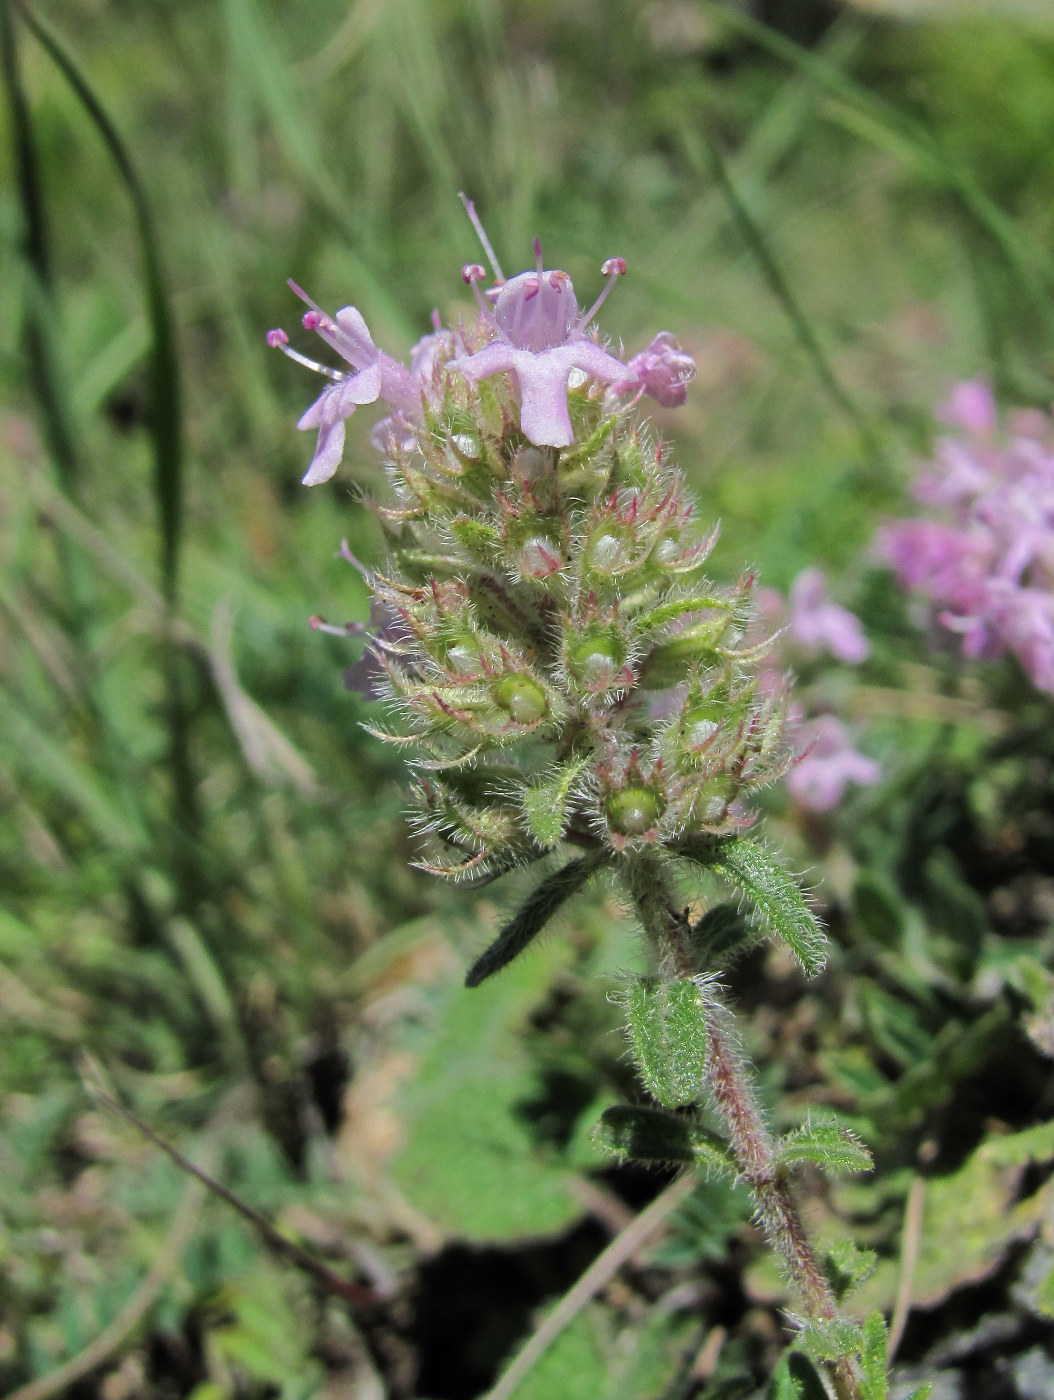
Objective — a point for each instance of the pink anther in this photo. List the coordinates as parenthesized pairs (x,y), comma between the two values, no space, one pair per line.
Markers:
(277,338)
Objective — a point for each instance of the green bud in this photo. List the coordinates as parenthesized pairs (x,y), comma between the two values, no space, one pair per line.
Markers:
(594,659)
(461,654)
(540,557)
(521,697)
(632,811)
(608,552)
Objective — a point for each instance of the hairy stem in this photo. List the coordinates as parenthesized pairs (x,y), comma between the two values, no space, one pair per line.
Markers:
(732,1094)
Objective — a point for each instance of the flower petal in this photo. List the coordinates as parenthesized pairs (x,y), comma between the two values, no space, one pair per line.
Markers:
(499,355)
(591,359)
(321,411)
(364,387)
(328,451)
(544,417)
(359,341)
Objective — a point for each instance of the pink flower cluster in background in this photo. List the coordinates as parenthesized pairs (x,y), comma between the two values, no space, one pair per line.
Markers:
(988,562)
(811,625)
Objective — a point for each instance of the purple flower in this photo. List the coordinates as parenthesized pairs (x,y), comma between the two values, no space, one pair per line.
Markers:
(427,358)
(376,376)
(970,405)
(540,338)
(816,624)
(989,563)
(829,764)
(663,371)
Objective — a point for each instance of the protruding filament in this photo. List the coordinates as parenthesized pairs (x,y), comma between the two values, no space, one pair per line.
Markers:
(481,234)
(278,340)
(613,269)
(538,256)
(299,291)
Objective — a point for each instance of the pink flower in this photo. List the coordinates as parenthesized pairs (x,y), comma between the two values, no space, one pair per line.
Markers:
(970,405)
(816,624)
(540,338)
(829,764)
(989,564)
(375,376)
(663,371)
(531,329)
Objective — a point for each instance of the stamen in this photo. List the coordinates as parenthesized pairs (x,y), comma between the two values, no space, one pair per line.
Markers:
(538,256)
(473,273)
(278,340)
(481,234)
(345,553)
(437,320)
(349,629)
(613,269)
(299,291)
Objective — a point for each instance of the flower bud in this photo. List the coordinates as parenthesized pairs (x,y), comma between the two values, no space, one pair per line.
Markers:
(522,698)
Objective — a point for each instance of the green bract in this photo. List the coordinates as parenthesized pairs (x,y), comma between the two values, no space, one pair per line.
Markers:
(549,611)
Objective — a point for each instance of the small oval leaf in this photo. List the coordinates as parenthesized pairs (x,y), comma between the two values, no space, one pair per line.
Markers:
(666,1023)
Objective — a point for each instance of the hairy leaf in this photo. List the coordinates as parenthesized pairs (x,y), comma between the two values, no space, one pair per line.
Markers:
(652,1135)
(545,804)
(756,873)
(831,1339)
(666,1023)
(832,1147)
(540,907)
(847,1267)
(874,1357)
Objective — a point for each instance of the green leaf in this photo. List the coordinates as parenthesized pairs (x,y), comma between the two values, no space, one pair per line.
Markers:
(666,1022)
(477,536)
(757,874)
(831,1339)
(539,908)
(923,1392)
(467,1159)
(721,930)
(652,1135)
(879,910)
(874,1357)
(545,804)
(1035,1144)
(847,1267)
(795,1378)
(828,1144)
(668,612)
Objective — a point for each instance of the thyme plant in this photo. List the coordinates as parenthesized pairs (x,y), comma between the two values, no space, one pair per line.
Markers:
(567,681)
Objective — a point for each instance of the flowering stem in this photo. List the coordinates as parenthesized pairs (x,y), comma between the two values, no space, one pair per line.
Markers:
(732,1095)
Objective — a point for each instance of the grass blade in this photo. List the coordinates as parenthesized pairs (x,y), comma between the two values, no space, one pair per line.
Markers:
(40,318)
(701,150)
(166,419)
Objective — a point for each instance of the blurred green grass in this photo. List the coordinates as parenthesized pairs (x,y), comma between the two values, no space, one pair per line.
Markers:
(898,180)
